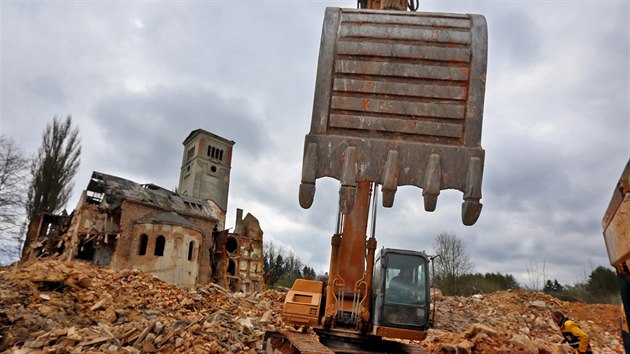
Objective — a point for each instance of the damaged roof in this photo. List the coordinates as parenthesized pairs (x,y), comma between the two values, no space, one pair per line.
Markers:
(116,189)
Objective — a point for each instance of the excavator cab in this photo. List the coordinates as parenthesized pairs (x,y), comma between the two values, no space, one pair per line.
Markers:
(400,292)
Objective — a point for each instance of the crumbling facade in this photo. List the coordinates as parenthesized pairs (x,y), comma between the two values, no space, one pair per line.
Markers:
(238,255)
(122,224)
(180,238)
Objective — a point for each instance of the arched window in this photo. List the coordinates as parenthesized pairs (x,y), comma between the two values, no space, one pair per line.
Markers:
(144,240)
(191,248)
(221,155)
(231,268)
(159,246)
(231,245)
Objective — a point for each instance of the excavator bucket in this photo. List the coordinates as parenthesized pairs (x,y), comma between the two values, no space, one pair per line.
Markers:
(399,101)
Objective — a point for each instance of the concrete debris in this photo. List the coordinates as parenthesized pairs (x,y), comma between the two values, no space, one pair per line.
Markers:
(48,306)
(517,322)
(45,307)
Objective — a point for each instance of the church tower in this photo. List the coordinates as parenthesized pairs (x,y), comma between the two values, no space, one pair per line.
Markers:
(206,164)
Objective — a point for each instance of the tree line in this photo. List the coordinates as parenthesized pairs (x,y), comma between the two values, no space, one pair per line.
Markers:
(35,184)
(600,287)
(282,267)
(454,276)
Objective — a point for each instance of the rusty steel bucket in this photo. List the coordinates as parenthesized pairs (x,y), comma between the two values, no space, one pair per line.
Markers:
(399,101)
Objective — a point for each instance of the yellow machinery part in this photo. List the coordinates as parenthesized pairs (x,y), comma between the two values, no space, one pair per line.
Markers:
(303,301)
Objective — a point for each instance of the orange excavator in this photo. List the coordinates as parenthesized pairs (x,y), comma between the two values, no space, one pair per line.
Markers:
(399,99)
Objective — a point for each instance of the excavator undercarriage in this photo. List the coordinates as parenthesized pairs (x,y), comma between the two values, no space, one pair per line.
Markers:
(291,342)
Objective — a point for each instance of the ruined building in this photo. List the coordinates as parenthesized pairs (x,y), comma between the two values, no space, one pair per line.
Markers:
(178,237)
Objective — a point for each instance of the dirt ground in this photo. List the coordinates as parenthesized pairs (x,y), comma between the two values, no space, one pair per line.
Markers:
(71,307)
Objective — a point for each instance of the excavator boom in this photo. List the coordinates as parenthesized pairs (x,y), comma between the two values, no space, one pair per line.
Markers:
(399,99)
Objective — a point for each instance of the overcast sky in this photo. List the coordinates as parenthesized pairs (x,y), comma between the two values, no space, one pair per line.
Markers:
(138,77)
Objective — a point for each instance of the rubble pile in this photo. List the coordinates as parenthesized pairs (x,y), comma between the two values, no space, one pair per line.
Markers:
(517,322)
(70,307)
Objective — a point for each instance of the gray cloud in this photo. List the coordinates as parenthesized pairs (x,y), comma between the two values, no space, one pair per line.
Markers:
(147,128)
(516,35)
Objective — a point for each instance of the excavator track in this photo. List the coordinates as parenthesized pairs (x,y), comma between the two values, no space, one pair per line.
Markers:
(289,342)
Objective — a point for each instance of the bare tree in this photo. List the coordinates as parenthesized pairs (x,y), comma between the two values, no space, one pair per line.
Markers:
(452,262)
(536,276)
(273,263)
(282,266)
(13,171)
(52,171)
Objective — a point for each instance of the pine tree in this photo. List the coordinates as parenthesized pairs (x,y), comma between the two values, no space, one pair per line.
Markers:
(52,171)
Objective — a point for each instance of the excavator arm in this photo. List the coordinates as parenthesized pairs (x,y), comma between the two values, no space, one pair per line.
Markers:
(399,100)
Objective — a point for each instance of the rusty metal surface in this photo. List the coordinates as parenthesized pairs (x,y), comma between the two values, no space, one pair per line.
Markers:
(399,101)
(616,223)
(352,264)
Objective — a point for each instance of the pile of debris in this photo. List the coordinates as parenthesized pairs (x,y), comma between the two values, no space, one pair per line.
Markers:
(518,321)
(53,307)
(73,307)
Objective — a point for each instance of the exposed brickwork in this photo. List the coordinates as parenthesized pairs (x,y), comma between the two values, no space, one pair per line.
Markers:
(123,234)
(180,238)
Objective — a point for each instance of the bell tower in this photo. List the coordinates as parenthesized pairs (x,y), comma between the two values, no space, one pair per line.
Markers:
(206,165)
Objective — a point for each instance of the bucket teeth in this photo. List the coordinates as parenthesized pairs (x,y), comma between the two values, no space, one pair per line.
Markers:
(432,180)
(390,178)
(307,193)
(470,212)
(307,187)
(348,189)
(471,208)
